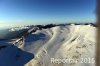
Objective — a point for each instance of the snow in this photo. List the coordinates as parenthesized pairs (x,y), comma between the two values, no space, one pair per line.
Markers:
(18,28)
(59,42)
(10,55)
(71,42)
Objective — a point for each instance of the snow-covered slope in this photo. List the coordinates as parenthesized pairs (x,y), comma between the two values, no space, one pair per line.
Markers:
(62,42)
(10,55)
(70,42)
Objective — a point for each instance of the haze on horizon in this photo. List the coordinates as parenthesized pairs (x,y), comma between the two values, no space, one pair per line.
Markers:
(24,12)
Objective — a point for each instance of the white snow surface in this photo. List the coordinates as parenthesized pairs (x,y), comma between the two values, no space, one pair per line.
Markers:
(18,28)
(59,42)
(11,55)
(62,42)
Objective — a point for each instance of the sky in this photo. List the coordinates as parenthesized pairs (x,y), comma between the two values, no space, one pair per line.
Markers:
(21,12)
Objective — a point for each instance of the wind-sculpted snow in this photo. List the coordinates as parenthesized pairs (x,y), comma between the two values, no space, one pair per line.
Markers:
(75,42)
(11,55)
(51,47)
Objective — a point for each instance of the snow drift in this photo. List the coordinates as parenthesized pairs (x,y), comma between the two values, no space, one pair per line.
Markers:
(59,42)
(11,55)
(62,42)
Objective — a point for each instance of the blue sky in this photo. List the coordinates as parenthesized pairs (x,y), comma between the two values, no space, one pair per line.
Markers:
(21,12)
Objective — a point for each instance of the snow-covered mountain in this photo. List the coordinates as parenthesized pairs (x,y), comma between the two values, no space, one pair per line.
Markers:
(11,55)
(75,42)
